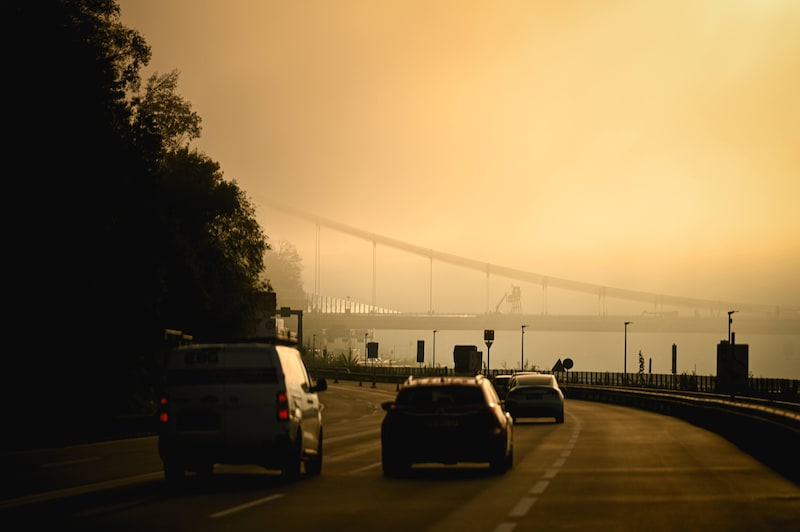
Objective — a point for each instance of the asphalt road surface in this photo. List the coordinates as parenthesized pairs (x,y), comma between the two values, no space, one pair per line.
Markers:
(606,468)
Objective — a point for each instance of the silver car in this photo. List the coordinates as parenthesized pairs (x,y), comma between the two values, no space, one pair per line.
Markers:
(535,395)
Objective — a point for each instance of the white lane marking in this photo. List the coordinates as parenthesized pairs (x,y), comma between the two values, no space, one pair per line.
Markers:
(79,490)
(70,462)
(343,456)
(550,473)
(539,487)
(360,469)
(241,507)
(522,507)
(351,435)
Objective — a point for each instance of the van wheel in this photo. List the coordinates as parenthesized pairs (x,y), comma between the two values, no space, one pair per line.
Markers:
(499,464)
(394,465)
(174,473)
(293,462)
(205,470)
(314,463)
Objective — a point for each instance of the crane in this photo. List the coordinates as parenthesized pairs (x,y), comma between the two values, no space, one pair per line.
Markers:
(497,308)
(515,298)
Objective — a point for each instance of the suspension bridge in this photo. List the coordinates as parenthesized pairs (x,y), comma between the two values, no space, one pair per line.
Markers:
(669,312)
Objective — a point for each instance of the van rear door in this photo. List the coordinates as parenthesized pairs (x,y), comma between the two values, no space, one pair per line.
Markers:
(252,384)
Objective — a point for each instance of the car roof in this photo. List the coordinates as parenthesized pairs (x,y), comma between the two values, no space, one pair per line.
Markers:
(448,380)
(535,379)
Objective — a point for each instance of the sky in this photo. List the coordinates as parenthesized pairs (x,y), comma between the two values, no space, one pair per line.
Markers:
(645,145)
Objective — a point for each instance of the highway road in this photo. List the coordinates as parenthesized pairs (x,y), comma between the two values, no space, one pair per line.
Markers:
(606,468)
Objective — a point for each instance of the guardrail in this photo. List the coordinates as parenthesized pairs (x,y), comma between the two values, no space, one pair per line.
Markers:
(787,390)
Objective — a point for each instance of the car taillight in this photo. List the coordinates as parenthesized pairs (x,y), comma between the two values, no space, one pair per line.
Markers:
(282,404)
(163,414)
(496,426)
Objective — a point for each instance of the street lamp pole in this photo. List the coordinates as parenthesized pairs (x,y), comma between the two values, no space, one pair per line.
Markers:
(433,361)
(488,337)
(625,360)
(730,320)
(522,350)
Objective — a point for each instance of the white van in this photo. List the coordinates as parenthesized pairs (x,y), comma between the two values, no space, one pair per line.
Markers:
(239,403)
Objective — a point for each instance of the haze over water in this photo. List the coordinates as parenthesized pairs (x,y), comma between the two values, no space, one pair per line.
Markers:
(770,355)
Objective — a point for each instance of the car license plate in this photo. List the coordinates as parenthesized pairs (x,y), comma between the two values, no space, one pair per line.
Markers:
(443,422)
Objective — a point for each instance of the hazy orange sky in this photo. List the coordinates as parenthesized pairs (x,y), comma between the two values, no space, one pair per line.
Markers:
(647,145)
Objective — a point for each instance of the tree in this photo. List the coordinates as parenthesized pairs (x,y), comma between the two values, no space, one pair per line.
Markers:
(213,247)
(284,269)
(211,279)
(84,196)
(349,360)
(163,112)
(122,230)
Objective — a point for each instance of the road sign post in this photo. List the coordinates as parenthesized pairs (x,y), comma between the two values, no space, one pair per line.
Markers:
(488,337)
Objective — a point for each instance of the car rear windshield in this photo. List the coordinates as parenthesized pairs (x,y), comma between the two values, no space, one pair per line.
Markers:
(535,380)
(437,395)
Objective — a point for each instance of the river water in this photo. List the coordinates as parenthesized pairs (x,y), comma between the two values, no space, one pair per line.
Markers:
(769,355)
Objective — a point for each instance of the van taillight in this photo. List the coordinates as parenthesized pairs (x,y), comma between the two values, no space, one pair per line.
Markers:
(163,415)
(282,406)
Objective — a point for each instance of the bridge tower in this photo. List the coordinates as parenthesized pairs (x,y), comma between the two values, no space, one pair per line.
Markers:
(515,298)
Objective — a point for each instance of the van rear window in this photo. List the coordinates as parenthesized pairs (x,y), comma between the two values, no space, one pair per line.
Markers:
(208,376)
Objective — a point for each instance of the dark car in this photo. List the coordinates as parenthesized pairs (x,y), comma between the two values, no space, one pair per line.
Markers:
(446,420)
(535,395)
(501,384)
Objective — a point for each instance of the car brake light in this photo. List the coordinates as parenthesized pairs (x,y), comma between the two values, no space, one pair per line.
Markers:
(163,415)
(494,423)
(282,406)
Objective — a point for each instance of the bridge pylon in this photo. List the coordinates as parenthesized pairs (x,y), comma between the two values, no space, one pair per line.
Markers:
(515,298)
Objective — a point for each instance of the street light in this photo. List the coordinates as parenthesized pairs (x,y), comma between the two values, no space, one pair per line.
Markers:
(625,361)
(730,320)
(522,355)
(433,361)
(366,354)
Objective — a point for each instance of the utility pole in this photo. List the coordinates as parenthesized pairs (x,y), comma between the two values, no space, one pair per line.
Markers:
(433,361)
(522,353)
(488,337)
(730,320)
(625,360)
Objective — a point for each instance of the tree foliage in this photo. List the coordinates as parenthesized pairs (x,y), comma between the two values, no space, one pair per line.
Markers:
(218,249)
(121,230)
(284,266)
(163,112)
